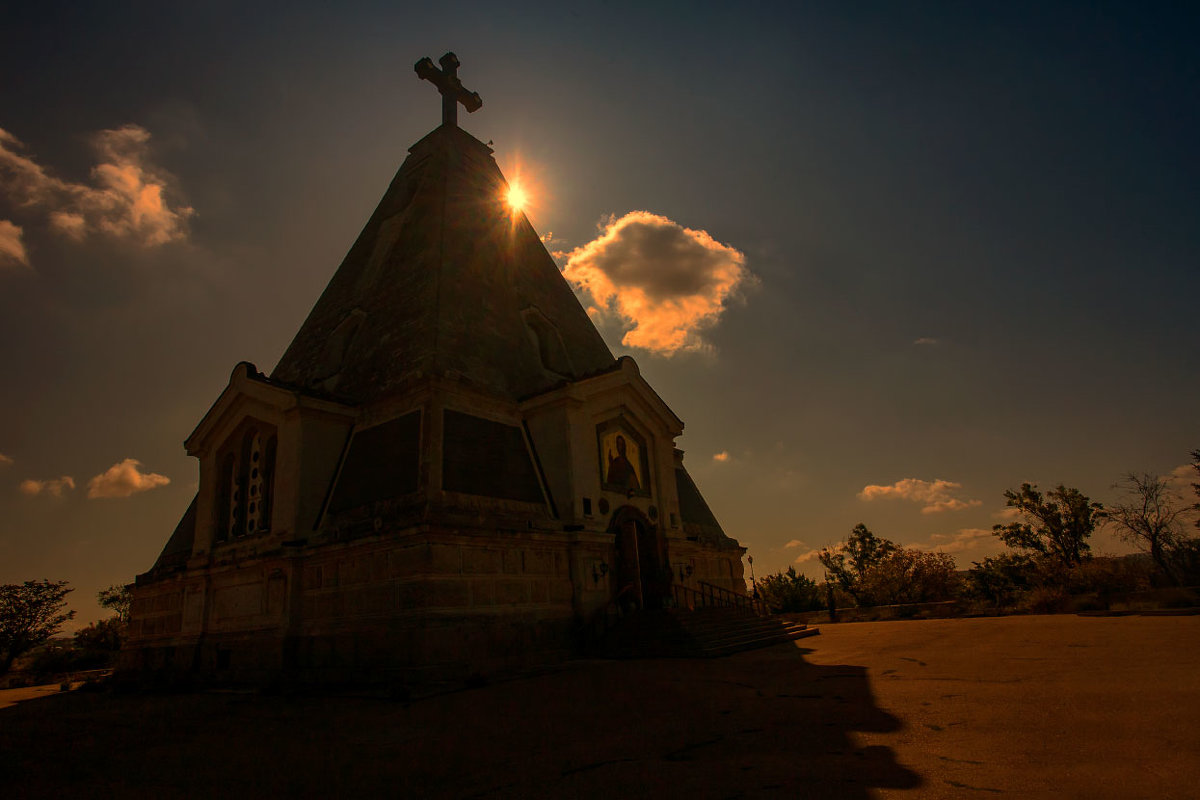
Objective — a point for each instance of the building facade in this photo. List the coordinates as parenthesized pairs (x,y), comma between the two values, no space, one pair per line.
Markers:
(447,473)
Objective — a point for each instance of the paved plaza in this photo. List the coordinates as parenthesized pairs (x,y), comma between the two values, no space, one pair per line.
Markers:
(1045,706)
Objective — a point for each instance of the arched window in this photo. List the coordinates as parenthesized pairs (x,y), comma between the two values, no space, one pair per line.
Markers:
(247,482)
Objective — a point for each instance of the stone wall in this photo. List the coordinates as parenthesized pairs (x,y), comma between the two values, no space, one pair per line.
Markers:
(426,601)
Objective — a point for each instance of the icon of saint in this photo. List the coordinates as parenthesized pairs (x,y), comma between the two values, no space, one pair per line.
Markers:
(620,469)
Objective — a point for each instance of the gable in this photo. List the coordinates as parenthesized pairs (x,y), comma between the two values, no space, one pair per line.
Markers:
(251,394)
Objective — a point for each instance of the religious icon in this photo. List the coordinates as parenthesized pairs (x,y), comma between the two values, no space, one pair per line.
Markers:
(622,461)
(620,469)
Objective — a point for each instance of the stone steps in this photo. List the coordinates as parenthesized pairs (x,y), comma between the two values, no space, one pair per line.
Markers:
(707,633)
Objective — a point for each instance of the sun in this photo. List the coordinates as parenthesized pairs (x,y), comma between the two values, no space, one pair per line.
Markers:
(517,197)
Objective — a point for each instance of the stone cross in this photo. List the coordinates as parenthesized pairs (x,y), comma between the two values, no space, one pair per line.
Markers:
(451,88)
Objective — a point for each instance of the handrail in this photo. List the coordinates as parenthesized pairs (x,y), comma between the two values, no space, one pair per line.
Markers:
(712,596)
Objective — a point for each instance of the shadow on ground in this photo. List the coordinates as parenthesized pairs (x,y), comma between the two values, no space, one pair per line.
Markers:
(766,723)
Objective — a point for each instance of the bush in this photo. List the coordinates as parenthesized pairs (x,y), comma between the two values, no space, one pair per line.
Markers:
(1177,598)
(1108,577)
(1001,580)
(57,659)
(1187,562)
(1047,600)
(104,635)
(908,575)
(789,591)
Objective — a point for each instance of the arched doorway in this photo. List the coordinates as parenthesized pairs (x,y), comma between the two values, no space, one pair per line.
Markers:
(643,572)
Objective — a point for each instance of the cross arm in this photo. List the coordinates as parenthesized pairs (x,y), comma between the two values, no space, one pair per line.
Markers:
(449,86)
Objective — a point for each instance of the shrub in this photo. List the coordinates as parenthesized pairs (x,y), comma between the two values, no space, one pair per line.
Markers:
(1108,577)
(908,575)
(790,592)
(1047,600)
(1001,580)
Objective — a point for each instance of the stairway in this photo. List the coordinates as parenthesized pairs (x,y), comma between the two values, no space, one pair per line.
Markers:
(703,633)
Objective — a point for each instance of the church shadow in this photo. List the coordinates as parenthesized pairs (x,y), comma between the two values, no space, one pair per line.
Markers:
(814,717)
(770,722)
(766,723)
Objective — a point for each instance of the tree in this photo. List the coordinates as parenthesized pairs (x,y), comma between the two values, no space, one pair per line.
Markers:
(908,575)
(103,636)
(846,565)
(1149,517)
(117,598)
(30,613)
(790,591)
(1196,486)
(1055,525)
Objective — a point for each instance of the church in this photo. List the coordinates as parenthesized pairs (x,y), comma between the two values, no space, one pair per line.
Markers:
(447,473)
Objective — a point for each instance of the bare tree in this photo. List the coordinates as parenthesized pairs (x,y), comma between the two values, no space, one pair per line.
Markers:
(1150,516)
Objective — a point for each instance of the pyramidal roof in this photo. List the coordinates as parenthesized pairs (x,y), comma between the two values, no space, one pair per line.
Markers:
(444,280)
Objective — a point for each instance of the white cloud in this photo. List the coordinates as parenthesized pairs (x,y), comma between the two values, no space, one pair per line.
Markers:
(964,539)
(722,456)
(52,486)
(12,249)
(668,281)
(1180,480)
(934,496)
(811,555)
(127,197)
(124,479)
(949,504)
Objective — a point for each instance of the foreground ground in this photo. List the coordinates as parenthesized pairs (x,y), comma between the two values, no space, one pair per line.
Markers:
(1022,706)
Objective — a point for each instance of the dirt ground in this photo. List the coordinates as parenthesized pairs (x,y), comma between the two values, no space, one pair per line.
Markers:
(1059,706)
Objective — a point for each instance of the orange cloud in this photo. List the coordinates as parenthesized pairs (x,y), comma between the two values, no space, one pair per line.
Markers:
(935,496)
(124,479)
(722,456)
(5,460)
(668,281)
(812,555)
(1180,481)
(965,539)
(12,249)
(793,543)
(52,486)
(127,197)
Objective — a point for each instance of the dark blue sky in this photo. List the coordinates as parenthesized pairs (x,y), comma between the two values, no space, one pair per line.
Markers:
(1016,183)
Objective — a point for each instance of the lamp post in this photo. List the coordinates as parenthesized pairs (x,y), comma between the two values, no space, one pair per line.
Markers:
(753,585)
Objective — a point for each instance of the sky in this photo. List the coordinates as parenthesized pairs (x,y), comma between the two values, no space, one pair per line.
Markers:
(884,260)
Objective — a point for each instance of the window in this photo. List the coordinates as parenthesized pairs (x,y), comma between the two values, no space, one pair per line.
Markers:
(247,482)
